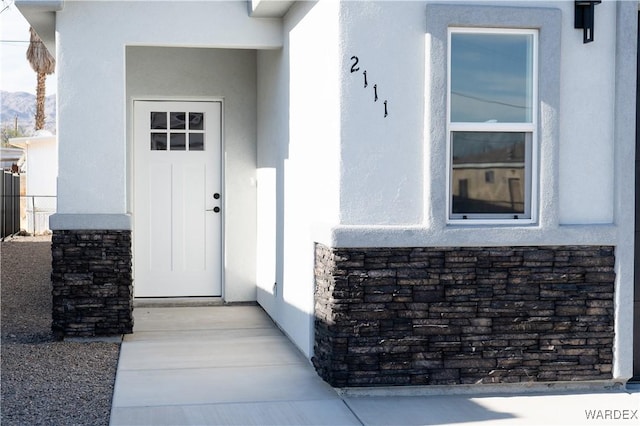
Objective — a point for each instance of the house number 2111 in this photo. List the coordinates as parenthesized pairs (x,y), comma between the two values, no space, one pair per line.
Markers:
(355,68)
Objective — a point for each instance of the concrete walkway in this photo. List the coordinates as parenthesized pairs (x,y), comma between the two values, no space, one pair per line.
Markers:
(230,365)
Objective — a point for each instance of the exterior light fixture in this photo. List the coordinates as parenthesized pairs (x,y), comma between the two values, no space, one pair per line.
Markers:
(585,12)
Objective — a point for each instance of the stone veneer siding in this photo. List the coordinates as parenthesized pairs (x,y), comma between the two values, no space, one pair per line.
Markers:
(445,316)
(92,283)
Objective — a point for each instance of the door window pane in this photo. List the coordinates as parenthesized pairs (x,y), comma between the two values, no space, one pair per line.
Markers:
(491,77)
(178,141)
(488,173)
(196,120)
(158,141)
(178,121)
(196,142)
(159,120)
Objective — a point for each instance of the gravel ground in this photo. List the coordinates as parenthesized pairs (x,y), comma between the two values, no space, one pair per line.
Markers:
(44,381)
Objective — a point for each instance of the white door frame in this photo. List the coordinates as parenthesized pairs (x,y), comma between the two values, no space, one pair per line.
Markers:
(222,171)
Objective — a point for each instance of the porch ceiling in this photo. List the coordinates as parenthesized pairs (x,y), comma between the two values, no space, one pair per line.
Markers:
(269,8)
(41,15)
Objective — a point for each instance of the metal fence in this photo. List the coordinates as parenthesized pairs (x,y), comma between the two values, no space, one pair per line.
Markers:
(10,220)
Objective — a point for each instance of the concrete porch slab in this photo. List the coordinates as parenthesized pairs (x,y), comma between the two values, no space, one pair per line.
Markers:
(230,365)
(187,386)
(324,412)
(210,350)
(218,365)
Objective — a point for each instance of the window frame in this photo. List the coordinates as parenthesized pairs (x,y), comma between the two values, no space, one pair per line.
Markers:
(530,215)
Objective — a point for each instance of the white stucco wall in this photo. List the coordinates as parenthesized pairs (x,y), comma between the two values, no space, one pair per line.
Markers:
(298,162)
(587,120)
(382,178)
(230,74)
(393,191)
(382,171)
(91,38)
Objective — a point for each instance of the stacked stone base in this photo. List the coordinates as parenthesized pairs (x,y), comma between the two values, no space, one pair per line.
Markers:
(92,283)
(446,316)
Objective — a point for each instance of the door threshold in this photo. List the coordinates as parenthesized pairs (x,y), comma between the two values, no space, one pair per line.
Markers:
(176,302)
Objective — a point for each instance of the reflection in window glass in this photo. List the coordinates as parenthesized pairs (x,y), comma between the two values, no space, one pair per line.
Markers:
(178,142)
(177,120)
(491,77)
(195,120)
(158,120)
(488,174)
(196,142)
(158,141)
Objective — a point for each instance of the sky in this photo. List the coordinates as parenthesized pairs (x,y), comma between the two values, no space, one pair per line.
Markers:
(16,74)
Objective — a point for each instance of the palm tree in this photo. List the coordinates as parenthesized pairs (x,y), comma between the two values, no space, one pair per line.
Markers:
(43,64)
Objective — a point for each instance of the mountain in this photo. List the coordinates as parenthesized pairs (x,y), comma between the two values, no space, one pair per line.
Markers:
(23,106)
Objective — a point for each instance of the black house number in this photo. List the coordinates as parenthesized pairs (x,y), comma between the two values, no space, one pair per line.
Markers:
(355,68)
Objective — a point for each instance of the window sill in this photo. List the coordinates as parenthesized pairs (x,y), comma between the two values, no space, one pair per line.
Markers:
(491,222)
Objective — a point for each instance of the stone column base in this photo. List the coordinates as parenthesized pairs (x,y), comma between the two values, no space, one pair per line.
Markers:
(92,283)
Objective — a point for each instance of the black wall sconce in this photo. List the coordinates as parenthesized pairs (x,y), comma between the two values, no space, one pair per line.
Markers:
(585,12)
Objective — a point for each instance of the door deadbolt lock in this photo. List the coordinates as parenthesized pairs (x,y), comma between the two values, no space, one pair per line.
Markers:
(216,196)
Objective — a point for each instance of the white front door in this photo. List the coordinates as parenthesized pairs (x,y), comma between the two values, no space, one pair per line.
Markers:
(177,199)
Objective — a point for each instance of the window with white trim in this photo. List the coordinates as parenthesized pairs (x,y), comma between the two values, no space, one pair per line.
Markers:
(492,125)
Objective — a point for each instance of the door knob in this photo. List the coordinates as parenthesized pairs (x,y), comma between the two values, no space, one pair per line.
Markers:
(215,210)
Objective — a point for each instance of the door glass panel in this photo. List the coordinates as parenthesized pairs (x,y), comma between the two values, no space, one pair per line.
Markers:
(177,120)
(178,142)
(158,141)
(195,120)
(192,131)
(158,120)
(196,142)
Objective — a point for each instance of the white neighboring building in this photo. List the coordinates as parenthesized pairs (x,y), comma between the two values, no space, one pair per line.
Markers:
(418,193)
(40,170)
(10,157)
